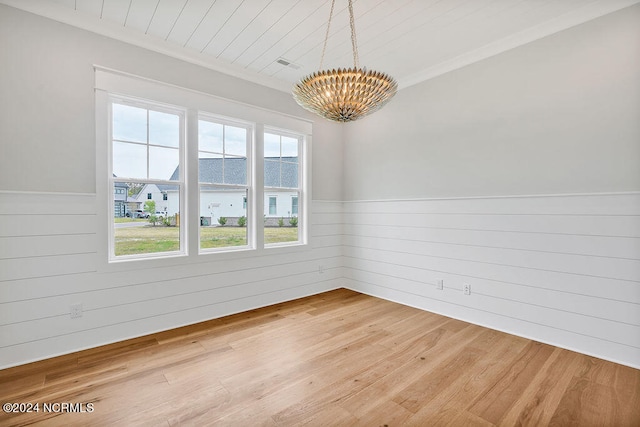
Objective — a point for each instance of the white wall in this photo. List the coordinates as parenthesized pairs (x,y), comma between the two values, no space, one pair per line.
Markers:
(48,208)
(559,115)
(556,117)
(47,103)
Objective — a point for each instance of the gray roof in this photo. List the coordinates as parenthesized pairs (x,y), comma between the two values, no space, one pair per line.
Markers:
(278,171)
(164,187)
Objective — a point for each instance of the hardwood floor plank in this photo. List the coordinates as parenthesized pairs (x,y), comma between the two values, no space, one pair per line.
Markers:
(438,379)
(542,396)
(403,368)
(338,358)
(449,402)
(586,403)
(385,413)
(517,375)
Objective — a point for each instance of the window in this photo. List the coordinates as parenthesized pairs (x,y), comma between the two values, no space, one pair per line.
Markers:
(282,174)
(146,148)
(273,205)
(155,139)
(223,174)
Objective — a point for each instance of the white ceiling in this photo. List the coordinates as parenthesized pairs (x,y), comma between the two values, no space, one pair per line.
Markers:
(412,40)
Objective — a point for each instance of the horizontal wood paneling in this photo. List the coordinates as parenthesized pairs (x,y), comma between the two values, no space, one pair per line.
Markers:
(560,269)
(419,279)
(102,314)
(39,246)
(587,225)
(15,269)
(47,225)
(605,246)
(556,269)
(615,268)
(49,261)
(195,286)
(571,204)
(15,203)
(621,290)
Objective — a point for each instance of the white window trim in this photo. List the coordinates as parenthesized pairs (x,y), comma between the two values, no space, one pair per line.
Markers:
(114,82)
(249,186)
(181,112)
(303,189)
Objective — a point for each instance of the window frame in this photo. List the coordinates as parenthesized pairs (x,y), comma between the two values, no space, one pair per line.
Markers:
(248,187)
(302,189)
(273,205)
(110,82)
(149,105)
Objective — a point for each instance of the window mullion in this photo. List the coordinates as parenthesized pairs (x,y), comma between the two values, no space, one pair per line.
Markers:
(148,149)
(192,202)
(258,187)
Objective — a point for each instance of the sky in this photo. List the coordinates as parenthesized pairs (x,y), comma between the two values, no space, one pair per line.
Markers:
(131,140)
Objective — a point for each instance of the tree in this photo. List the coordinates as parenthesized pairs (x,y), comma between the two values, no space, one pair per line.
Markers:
(150,206)
(134,188)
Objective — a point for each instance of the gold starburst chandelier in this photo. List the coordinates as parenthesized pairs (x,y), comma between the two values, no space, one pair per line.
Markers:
(344,95)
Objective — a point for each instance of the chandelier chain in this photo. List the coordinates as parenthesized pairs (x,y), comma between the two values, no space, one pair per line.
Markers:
(354,43)
(326,36)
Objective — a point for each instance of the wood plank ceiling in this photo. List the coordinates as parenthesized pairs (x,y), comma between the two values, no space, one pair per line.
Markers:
(411,40)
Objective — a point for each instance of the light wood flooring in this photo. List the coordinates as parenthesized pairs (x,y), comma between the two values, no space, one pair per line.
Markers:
(334,359)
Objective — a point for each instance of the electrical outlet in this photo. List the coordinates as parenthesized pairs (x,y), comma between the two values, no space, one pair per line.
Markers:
(321,269)
(466,288)
(75,311)
(439,284)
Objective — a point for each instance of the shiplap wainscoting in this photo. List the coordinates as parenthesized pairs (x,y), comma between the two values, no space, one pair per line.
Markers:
(564,270)
(48,262)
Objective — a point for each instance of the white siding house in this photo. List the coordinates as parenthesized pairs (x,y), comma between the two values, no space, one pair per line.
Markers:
(154,193)
(233,204)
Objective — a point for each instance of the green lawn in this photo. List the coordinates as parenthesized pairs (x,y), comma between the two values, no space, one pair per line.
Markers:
(149,239)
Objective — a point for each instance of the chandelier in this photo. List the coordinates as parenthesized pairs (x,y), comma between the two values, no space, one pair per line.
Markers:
(344,95)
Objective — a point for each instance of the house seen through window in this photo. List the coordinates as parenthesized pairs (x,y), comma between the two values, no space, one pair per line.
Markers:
(223,174)
(148,149)
(282,177)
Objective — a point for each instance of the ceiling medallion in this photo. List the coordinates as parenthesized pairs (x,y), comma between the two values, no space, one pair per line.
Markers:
(344,95)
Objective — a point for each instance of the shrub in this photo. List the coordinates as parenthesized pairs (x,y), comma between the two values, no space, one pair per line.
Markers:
(280,222)
(222,220)
(293,221)
(153,219)
(242,221)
